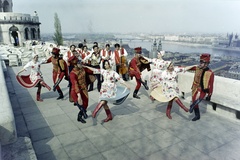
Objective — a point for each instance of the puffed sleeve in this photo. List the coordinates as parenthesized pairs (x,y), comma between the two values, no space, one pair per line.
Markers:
(27,66)
(98,71)
(179,69)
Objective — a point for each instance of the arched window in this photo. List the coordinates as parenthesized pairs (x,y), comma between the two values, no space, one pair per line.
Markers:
(13,30)
(33,33)
(5,6)
(26,32)
(39,34)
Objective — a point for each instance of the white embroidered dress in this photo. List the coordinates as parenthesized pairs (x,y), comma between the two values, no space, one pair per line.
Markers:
(158,67)
(169,83)
(35,73)
(110,91)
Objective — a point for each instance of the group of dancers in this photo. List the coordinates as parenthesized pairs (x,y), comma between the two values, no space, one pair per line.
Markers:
(82,68)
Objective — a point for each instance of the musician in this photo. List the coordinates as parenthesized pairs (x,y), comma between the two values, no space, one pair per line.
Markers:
(136,66)
(95,59)
(79,49)
(85,53)
(106,54)
(69,54)
(120,56)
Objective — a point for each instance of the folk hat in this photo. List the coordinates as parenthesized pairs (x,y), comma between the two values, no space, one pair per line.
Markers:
(138,50)
(205,57)
(73,60)
(55,51)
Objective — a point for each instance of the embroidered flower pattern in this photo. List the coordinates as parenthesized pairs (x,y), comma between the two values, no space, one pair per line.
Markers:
(109,87)
(169,83)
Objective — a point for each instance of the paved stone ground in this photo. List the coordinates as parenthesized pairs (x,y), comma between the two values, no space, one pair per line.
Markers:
(139,130)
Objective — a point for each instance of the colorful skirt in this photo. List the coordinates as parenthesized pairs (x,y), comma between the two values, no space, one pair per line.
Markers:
(158,94)
(121,95)
(25,81)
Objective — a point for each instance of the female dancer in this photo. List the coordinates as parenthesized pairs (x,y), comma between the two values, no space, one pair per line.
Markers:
(168,90)
(110,91)
(35,78)
(158,66)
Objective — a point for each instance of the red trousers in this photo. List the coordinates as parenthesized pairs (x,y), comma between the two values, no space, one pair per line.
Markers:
(198,94)
(84,97)
(55,78)
(137,76)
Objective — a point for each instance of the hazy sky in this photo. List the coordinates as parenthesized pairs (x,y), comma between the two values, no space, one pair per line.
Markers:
(145,16)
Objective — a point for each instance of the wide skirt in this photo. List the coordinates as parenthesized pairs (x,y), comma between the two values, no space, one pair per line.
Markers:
(25,81)
(158,94)
(121,95)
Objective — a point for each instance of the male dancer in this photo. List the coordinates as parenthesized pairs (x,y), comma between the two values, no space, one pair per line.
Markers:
(59,70)
(202,84)
(79,92)
(135,69)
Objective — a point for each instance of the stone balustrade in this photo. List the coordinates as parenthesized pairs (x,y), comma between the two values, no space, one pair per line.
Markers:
(225,98)
(8,132)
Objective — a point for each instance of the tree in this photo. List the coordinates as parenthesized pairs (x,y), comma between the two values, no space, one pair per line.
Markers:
(57,38)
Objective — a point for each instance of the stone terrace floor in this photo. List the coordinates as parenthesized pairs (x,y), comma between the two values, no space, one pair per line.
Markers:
(139,130)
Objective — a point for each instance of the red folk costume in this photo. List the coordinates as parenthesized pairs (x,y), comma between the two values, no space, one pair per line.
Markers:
(202,85)
(117,56)
(135,71)
(106,53)
(79,87)
(60,70)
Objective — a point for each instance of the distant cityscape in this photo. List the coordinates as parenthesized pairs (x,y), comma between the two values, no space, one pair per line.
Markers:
(225,66)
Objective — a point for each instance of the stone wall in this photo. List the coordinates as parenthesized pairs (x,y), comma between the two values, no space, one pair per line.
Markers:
(8,131)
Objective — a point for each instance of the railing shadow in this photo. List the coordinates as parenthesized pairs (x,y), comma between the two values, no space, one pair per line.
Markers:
(28,118)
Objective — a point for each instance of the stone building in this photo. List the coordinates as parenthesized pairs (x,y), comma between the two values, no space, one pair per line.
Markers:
(16,28)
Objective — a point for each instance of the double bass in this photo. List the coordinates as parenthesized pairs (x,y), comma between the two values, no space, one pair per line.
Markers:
(123,69)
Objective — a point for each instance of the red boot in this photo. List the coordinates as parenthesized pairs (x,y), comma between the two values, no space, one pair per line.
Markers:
(45,85)
(168,111)
(109,115)
(98,107)
(181,105)
(38,97)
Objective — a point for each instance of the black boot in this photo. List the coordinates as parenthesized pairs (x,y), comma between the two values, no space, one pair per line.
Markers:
(99,87)
(197,114)
(196,102)
(83,111)
(144,84)
(79,118)
(91,87)
(60,94)
(135,94)
(124,77)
